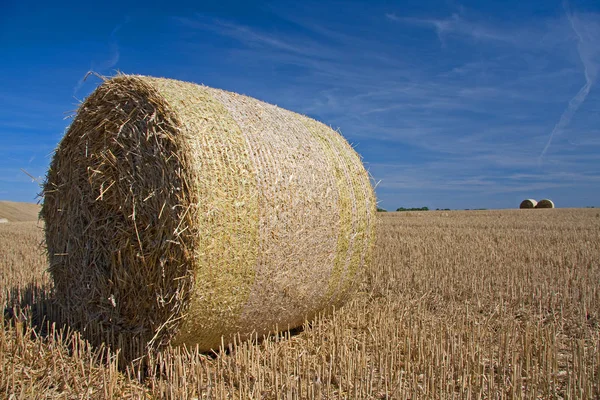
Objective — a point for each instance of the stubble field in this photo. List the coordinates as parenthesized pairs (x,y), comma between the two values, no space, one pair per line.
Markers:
(457,304)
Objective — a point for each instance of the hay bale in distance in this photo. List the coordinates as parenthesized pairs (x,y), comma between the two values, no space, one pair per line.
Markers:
(177,213)
(545,203)
(528,203)
(3,221)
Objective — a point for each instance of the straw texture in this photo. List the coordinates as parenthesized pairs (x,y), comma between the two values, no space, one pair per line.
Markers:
(177,213)
(545,204)
(528,203)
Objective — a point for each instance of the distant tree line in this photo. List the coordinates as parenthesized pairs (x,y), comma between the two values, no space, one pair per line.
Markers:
(427,209)
(413,209)
(409,209)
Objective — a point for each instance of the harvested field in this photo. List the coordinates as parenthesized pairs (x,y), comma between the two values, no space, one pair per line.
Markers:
(463,304)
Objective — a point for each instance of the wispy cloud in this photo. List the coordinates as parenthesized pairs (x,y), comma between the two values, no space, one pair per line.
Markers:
(484,111)
(299,46)
(506,88)
(457,24)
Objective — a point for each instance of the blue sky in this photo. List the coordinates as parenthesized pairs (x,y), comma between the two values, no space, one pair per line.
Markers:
(452,104)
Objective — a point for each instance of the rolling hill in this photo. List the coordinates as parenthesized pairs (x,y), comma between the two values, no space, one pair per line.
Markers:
(11,211)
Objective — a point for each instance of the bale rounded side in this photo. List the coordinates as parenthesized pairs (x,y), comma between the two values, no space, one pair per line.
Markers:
(178,213)
(545,203)
(528,203)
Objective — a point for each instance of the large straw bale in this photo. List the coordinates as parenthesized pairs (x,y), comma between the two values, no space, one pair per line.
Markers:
(528,203)
(178,213)
(545,204)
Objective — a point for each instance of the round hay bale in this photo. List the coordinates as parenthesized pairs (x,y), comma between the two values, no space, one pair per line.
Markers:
(178,213)
(528,203)
(545,204)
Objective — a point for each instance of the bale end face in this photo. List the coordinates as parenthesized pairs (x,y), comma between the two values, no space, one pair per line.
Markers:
(545,204)
(528,203)
(116,207)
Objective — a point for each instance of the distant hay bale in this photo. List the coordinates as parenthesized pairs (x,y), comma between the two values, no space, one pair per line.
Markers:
(3,221)
(528,203)
(177,213)
(545,204)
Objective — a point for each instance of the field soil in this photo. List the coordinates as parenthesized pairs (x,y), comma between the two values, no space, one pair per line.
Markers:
(455,305)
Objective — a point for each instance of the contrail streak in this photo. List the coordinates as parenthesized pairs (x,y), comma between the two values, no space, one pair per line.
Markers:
(579,98)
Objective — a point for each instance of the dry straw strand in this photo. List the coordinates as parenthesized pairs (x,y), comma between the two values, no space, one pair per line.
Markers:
(545,203)
(528,203)
(178,213)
